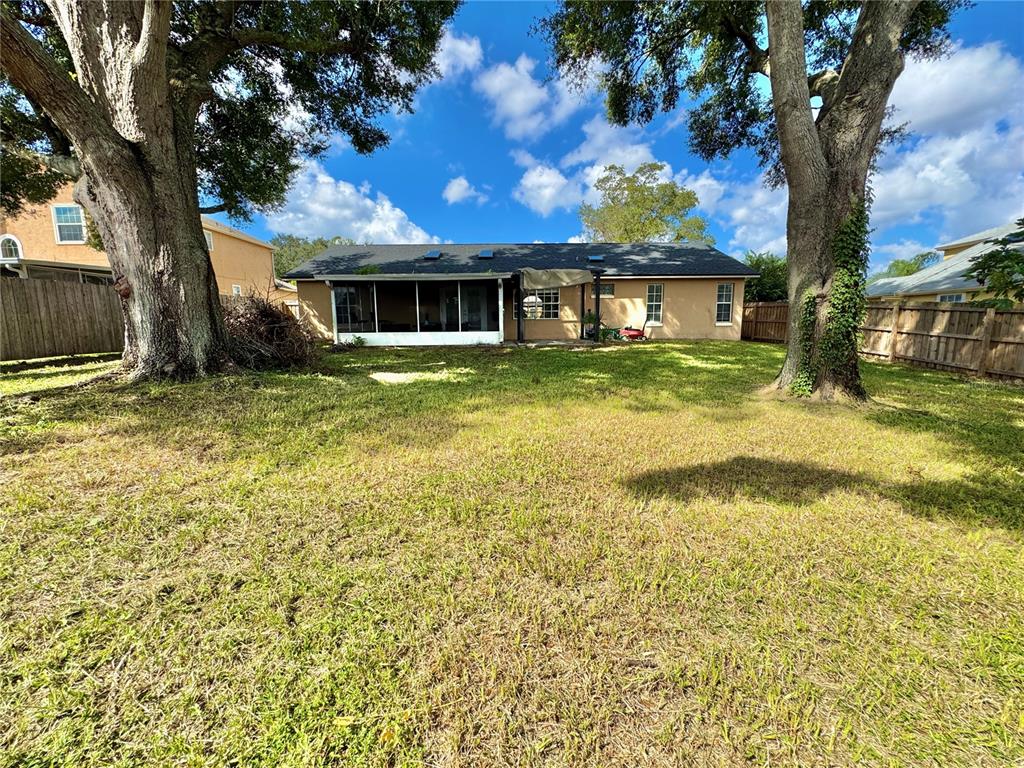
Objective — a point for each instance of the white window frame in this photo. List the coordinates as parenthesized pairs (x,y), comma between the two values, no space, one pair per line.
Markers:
(719,302)
(56,225)
(17,244)
(654,306)
(607,290)
(208,236)
(547,305)
(236,290)
(950,298)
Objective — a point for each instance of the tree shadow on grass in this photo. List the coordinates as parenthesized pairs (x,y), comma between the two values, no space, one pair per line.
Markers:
(975,499)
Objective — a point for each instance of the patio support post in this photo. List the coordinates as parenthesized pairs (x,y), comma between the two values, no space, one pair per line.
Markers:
(376,319)
(521,321)
(501,311)
(417,284)
(597,306)
(583,311)
(458,292)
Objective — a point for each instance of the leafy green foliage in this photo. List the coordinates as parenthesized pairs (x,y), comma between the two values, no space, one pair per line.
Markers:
(260,85)
(831,351)
(904,267)
(656,56)
(25,182)
(642,207)
(1001,270)
(292,250)
(773,274)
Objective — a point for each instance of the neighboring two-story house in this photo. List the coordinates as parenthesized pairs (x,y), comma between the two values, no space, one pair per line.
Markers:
(49,242)
(944,281)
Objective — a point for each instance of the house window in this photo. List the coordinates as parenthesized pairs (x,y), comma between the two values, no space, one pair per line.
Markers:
(723,306)
(539,305)
(10,248)
(655,300)
(236,290)
(607,290)
(69,224)
(955,298)
(209,240)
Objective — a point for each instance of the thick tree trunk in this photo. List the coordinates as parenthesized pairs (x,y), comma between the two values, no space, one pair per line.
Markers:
(156,247)
(134,138)
(827,161)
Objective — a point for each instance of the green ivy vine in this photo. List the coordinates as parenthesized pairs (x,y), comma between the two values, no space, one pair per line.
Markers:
(836,351)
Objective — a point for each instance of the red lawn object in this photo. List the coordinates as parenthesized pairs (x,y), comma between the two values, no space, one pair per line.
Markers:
(633,334)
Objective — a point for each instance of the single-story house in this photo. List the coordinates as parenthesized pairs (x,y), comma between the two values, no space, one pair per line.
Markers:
(489,293)
(48,242)
(944,281)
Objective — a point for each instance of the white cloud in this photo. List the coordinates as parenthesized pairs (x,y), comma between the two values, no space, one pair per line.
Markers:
(901,249)
(757,216)
(971,87)
(543,189)
(459,189)
(319,205)
(523,106)
(523,158)
(580,238)
(457,54)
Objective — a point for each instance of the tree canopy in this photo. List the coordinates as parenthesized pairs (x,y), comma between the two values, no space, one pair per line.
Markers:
(770,284)
(1001,270)
(263,83)
(640,207)
(292,250)
(657,56)
(904,267)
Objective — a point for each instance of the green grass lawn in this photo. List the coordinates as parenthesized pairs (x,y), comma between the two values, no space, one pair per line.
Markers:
(473,557)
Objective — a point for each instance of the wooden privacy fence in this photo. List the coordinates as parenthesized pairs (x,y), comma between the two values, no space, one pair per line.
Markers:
(50,318)
(946,336)
(765,321)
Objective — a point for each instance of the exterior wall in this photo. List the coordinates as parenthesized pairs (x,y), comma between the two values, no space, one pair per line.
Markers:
(315,307)
(950,252)
(968,296)
(688,310)
(246,262)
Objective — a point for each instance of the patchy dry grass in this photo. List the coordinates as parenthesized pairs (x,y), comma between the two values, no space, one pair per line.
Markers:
(514,557)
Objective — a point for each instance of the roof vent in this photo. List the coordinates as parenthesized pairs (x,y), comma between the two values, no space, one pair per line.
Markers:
(432,255)
(595,257)
(487,254)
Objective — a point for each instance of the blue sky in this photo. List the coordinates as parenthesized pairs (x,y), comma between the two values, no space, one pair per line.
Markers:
(500,151)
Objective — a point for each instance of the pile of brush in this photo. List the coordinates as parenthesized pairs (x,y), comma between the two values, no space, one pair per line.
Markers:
(263,335)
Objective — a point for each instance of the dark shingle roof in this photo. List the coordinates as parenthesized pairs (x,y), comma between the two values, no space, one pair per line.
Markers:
(690,259)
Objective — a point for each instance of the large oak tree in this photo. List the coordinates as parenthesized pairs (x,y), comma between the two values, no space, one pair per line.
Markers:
(160,111)
(829,67)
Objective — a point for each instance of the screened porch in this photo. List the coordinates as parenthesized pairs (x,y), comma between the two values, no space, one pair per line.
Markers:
(399,312)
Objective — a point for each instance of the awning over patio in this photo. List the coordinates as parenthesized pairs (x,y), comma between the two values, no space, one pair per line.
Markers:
(538,279)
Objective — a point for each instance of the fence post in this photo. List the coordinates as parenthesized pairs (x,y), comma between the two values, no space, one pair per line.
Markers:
(986,340)
(895,330)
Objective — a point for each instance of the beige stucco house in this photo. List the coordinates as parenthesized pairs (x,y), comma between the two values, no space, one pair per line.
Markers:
(470,293)
(945,281)
(48,242)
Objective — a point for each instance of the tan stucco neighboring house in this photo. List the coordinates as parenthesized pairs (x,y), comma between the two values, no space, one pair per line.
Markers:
(945,281)
(48,242)
(413,294)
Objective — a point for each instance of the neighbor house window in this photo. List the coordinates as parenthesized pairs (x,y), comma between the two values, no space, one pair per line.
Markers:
(236,290)
(607,290)
(209,240)
(10,249)
(955,298)
(655,300)
(69,224)
(539,305)
(723,306)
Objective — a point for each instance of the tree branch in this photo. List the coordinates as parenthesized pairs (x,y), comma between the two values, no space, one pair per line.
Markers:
(802,155)
(36,74)
(66,164)
(218,208)
(757,57)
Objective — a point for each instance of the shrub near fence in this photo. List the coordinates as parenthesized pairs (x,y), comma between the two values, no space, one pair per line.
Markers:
(51,318)
(947,336)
